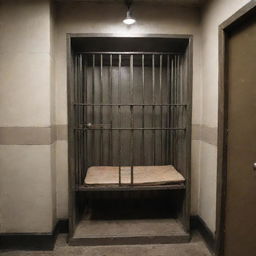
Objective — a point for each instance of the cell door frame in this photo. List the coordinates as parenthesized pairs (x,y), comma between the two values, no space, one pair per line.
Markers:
(70,82)
(225,28)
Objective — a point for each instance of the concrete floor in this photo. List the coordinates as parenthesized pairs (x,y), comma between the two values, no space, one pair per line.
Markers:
(196,247)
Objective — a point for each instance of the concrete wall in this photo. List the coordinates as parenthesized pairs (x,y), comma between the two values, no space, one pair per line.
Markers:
(214,14)
(27,184)
(152,18)
(33,99)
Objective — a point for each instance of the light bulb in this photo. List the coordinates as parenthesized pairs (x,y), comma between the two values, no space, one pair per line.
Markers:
(129,20)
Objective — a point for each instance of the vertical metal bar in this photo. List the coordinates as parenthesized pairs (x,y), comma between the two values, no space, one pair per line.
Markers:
(161,108)
(175,112)
(143,110)
(85,113)
(79,133)
(177,133)
(181,114)
(119,118)
(93,108)
(172,111)
(101,114)
(173,101)
(182,91)
(111,110)
(75,123)
(82,116)
(81,109)
(181,85)
(78,120)
(132,117)
(153,109)
(168,85)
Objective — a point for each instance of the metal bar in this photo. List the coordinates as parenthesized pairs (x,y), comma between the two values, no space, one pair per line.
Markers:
(86,114)
(161,108)
(81,113)
(93,109)
(119,119)
(169,114)
(181,87)
(111,112)
(101,114)
(167,140)
(143,109)
(129,53)
(79,119)
(174,149)
(172,111)
(153,109)
(177,114)
(121,128)
(75,123)
(131,188)
(131,104)
(132,117)
(182,112)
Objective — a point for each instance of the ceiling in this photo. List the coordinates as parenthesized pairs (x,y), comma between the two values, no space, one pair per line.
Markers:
(182,2)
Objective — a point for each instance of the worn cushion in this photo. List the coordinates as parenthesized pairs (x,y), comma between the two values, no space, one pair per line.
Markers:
(143,175)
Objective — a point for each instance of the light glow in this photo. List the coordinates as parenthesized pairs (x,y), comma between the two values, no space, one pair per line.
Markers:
(129,20)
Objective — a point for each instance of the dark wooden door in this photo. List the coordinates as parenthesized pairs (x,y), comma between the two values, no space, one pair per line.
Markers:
(240,221)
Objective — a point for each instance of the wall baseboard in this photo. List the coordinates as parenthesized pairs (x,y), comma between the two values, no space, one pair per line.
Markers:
(62,226)
(39,241)
(33,241)
(25,241)
(197,223)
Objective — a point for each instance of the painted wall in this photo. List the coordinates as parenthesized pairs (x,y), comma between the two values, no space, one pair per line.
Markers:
(107,18)
(33,99)
(213,15)
(27,183)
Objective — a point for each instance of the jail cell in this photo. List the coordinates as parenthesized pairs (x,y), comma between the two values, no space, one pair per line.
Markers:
(129,103)
(130,110)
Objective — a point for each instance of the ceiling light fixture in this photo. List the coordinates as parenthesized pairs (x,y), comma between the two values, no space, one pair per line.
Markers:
(129,20)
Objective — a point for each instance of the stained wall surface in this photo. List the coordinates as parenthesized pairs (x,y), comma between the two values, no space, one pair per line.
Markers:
(214,13)
(27,152)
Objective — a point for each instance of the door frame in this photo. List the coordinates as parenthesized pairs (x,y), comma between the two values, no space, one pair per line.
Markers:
(226,27)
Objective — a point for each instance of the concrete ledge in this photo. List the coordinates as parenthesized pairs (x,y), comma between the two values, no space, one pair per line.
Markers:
(35,241)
